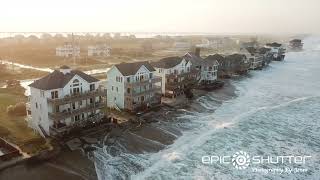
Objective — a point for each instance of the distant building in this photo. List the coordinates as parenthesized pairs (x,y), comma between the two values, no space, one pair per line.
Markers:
(68,50)
(212,42)
(64,99)
(277,50)
(100,50)
(133,87)
(296,44)
(176,74)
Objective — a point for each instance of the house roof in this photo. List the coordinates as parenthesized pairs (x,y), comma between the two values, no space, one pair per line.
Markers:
(274,44)
(167,62)
(214,58)
(263,50)
(235,57)
(195,60)
(57,79)
(64,67)
(251,50)
(128,69)
(296,41)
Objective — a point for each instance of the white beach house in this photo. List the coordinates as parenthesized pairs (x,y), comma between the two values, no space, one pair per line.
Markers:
(68,50)
(63,99)
(100,50)
(133,86)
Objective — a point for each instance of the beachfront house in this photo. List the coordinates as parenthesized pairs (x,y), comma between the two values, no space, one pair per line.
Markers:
(296,44)
(238,63)
(253,55)
(99,50)
(133,87)
(65,99)
(266,55)
(177,75)
(208,68)
(68,50)
(212,42)
(225,68)
(277,50)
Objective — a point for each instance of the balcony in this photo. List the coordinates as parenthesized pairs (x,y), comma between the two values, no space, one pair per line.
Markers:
(155,79)
(134,93)
(185,74)
(77,97)
(60,127)
(68,114)
(147,103)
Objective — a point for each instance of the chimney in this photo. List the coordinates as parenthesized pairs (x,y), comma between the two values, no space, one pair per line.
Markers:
(197,52)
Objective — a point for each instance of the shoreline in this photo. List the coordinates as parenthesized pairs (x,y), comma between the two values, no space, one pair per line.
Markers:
(150,137)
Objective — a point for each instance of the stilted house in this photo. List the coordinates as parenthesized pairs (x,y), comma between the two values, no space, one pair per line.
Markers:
(266,54)
(177,75)
(238,63)
(208,69)
(296,44)
(277,50)
(253,55)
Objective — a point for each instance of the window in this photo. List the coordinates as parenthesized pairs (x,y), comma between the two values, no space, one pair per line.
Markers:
(37,105)
(128,79)
(80,103)
(54,94)
(117,89)
(128,90)
(42,93)
(112,88)
(57,108)
(92,87)
(73,106)
(91,100)
(150,75)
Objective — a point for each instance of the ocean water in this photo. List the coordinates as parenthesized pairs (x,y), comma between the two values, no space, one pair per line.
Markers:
(276,113)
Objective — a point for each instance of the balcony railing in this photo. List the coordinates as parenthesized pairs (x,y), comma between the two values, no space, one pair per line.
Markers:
(185,74)
(59,128)
(134,93)
(77,97)
(155,79)
(67,114)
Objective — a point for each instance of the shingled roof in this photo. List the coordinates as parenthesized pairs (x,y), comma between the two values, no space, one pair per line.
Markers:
(235,57)
(167,62)
(128,69)
(264,50)
(274,44)
(251,50)
(214,58)
(195,60)
(57,79)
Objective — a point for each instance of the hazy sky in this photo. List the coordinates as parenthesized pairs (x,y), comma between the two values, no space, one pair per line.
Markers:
(213,16)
